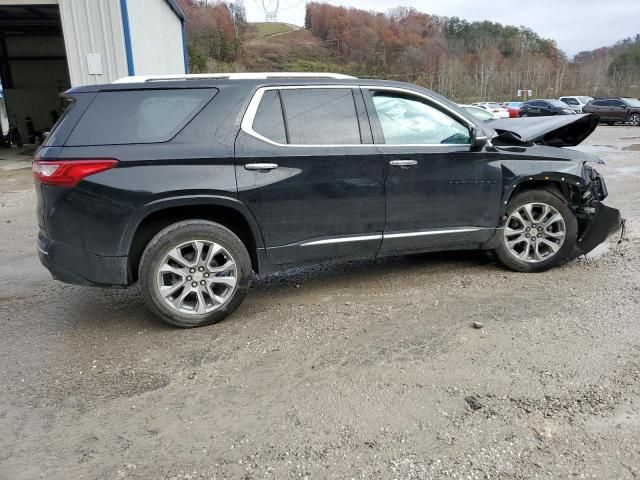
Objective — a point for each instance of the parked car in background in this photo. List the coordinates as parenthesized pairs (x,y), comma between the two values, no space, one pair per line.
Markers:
(513,108)
(480,113)
(493,107)
(545,108)
(615,110)
(576,103)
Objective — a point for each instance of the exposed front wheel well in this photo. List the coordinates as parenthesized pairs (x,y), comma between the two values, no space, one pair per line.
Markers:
(158,220)
(559,188)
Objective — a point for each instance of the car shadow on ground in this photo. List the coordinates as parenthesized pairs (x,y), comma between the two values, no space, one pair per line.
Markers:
(125,308)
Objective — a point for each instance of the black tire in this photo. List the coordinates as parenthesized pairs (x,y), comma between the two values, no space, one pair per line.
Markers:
(566,251)
(177,234)
(610,123)
(634,120)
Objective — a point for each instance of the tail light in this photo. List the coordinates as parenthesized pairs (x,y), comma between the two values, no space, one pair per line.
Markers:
(67,173)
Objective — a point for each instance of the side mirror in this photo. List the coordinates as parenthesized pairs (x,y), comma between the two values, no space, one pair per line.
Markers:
(478,139)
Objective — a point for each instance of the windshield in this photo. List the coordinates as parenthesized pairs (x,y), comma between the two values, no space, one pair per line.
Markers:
(585,99)
(494,105)
(632,102)
(557,103)
(479,113)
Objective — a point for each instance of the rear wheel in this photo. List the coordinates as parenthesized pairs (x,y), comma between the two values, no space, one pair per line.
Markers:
(540,232)
(194,273)
(634,119)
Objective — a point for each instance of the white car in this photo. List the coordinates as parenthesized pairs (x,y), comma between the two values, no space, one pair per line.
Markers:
(493,107)
(576,102)
(479,113)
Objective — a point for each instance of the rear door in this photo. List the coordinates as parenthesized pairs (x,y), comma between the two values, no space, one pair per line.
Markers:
(308,170)
(440,194)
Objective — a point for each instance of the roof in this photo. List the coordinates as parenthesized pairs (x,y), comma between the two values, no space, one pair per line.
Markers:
(230,76)
(176,9)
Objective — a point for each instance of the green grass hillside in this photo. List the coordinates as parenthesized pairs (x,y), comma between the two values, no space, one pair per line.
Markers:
(284,47)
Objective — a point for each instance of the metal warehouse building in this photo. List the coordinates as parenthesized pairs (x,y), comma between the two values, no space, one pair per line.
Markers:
(47,46)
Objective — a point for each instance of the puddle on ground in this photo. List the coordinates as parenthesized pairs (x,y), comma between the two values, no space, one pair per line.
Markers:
(595,148)
(634,148)
(627,170)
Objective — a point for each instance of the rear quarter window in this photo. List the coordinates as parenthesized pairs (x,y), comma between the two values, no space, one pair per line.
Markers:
(138,116)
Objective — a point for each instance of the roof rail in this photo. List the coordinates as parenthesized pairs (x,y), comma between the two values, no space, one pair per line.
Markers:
(231,76)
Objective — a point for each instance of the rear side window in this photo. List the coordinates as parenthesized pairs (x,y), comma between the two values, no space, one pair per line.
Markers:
(322,116)
(269,121)
(138,116)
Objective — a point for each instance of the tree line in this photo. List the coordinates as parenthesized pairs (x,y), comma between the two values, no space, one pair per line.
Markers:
(466,61)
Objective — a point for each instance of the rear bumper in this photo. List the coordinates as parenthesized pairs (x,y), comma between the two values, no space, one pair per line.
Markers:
(606,220)
(79,267)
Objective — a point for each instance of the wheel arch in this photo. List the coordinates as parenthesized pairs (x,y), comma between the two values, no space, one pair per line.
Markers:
(157,215)
(564,186)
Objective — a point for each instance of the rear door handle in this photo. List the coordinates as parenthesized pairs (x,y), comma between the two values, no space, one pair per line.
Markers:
(403,163)
(261,166)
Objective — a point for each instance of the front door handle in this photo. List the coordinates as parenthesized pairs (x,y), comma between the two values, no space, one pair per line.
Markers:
(403,163)
(261,166)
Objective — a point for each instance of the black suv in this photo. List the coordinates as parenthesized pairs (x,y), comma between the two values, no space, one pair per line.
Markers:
(187,185)
(544,108)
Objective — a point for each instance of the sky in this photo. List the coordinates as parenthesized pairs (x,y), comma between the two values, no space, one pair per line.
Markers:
(576,25)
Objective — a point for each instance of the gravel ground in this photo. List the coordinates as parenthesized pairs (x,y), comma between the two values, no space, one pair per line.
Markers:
(367,370)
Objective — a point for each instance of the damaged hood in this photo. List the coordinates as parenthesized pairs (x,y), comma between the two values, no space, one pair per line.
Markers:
(556,131)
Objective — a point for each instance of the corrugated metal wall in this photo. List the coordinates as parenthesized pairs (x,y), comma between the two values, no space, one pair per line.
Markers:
(93,27)
(156,38)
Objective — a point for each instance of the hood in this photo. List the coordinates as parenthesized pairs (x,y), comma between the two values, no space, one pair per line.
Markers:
(555,131)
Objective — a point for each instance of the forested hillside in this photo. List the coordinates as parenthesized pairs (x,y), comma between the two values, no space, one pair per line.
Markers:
(463,60)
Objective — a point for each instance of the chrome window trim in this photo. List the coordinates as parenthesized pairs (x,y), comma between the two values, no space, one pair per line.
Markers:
(250,113)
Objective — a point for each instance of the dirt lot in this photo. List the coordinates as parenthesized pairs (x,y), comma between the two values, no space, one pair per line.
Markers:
(363,370)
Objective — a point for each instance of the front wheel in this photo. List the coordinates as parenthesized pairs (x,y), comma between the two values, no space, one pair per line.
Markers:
(634,119)
(540,232)
(194,273)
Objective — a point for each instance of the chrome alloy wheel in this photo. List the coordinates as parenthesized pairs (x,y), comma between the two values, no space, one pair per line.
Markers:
(634,120)
(534,232)
(197,277)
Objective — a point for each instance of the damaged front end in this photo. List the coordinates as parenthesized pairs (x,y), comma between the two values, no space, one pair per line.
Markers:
(596,221)
(534,155)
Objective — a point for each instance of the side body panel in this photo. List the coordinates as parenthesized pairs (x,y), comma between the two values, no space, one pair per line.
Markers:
(101,214)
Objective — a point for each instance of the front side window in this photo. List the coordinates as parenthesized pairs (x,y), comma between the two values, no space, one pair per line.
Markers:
(406,120)
(570,101)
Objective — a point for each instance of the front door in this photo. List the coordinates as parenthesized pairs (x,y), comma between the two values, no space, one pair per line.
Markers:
(440,194)
(307,168)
